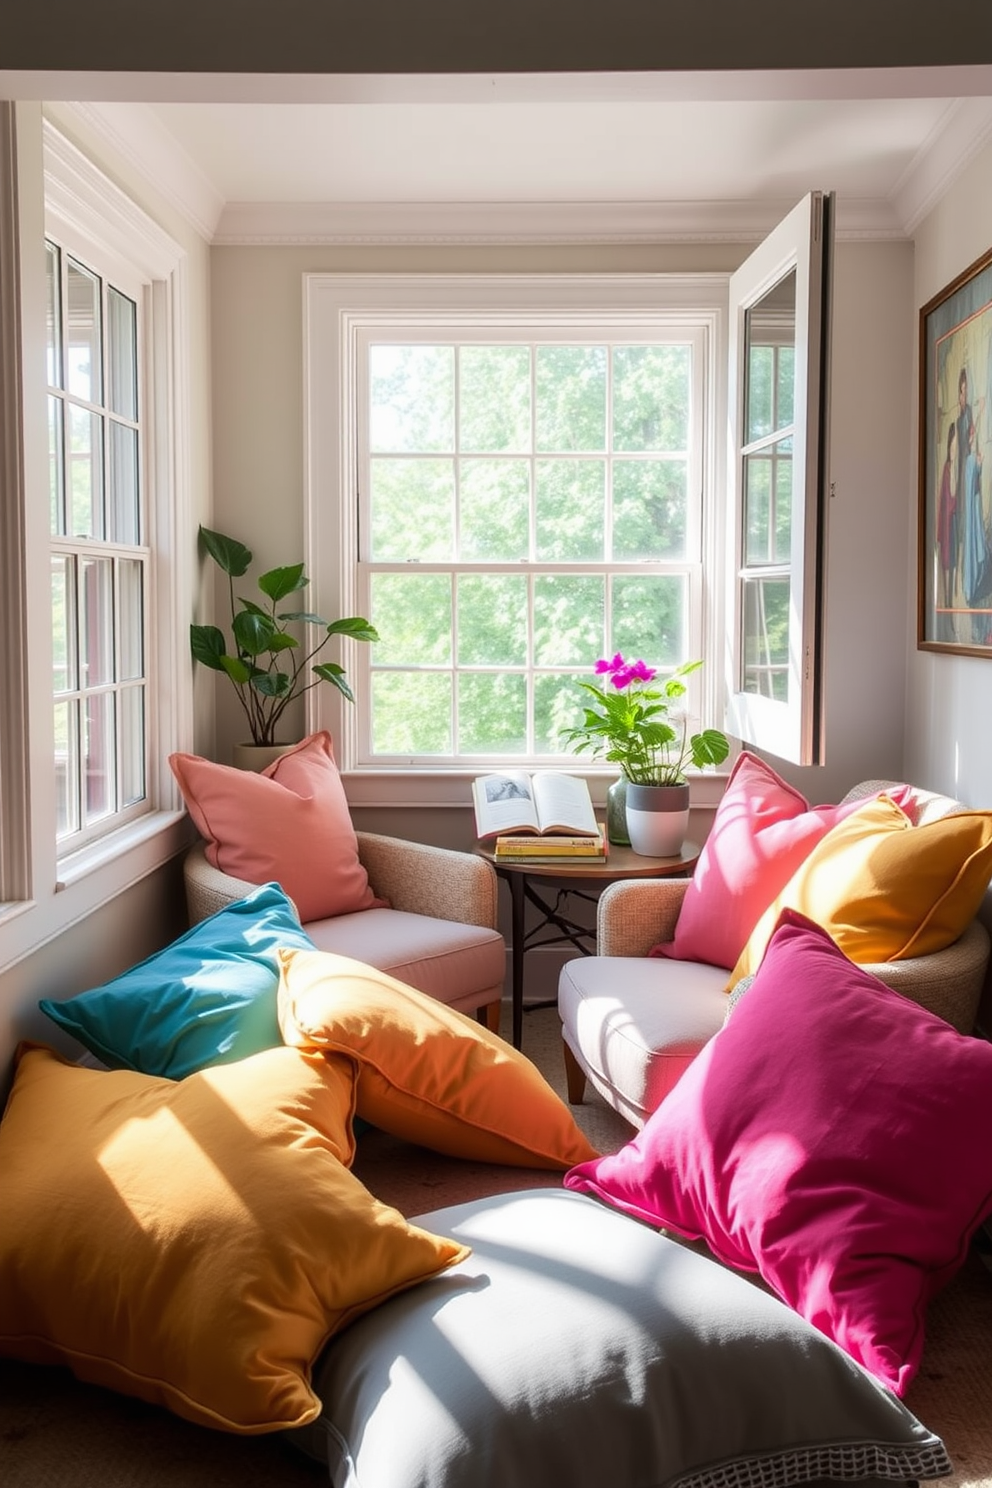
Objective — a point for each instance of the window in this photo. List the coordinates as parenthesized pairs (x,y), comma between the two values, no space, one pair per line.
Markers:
(99,564)
(779,342)
(520,484)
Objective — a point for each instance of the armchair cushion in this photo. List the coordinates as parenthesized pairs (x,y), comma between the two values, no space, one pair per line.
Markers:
(208,998)
(289,823)
(884,889)
(763,829)
(194,1243)
(426,1072)
(833,1137)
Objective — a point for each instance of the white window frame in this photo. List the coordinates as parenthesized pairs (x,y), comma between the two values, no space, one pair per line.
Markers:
(90,214)
(802,242)
(341,309)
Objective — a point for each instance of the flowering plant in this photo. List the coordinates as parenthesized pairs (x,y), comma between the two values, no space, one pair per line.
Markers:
(641,728)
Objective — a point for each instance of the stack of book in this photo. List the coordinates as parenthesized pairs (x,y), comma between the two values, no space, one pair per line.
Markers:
(529,848)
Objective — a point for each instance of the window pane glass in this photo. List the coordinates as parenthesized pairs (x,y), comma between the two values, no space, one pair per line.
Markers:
(650,618)
(413,510)
(557,706)
(122,354)
(412,613)
(650,508)
(495,510)
(571,511)
(66,768)
(83,379)
(571,398)
(131,621)
(97,625)
(492,620)
(132,764)
(766,638)
(411,713)
(53,316)
(770,337)
(768,504)
(568,619)
(98,755)
(494,399)
(56,467)
(63,624)
(651,391)
(122,484)
(411,398)
(86,472)
(492,713)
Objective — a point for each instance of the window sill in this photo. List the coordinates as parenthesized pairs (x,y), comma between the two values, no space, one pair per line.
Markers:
(452,789)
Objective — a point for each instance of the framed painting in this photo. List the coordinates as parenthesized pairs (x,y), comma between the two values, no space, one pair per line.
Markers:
(955,466)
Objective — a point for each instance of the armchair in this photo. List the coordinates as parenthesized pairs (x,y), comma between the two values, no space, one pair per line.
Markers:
(632,1024)
(437,932)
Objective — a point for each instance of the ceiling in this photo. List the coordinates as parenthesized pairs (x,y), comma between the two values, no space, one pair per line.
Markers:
(621,157)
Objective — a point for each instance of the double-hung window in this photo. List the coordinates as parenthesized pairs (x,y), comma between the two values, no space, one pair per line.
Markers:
(519,468)
(99,556)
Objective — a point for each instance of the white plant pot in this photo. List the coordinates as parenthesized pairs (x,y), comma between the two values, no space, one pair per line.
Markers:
(257,756)
(657,819)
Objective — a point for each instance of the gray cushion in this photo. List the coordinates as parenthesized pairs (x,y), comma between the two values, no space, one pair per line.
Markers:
(636,1023)
(444,958)
(578,1347)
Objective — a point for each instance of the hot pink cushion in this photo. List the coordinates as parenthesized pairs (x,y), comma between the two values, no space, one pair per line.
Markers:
(834,1138)
(762,831)
(289,823)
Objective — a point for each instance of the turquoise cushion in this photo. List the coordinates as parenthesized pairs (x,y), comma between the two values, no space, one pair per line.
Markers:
(208,998)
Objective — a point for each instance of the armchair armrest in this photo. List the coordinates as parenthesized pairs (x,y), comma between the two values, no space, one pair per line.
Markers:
(209,889)
(637,913)
(948,982)
(437,881)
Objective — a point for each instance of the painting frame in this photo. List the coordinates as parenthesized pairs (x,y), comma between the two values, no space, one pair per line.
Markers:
(954,588)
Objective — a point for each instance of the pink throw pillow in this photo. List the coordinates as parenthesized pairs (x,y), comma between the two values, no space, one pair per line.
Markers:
(289,824)
(762,831)
(833,1137)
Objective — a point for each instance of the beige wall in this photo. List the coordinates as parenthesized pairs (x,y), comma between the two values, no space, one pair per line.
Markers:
(258,455)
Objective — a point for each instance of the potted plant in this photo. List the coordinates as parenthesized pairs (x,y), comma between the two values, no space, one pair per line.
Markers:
(642,727)
(267,664)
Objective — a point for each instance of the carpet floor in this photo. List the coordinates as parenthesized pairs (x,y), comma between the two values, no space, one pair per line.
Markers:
(58,1433)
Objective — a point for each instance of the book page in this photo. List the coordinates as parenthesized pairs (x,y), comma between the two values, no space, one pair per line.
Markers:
(504,803)
(563,803)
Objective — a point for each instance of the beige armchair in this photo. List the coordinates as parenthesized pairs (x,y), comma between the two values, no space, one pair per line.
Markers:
(438,933)
(631,1027)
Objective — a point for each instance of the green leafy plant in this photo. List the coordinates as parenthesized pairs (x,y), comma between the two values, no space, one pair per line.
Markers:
(268,665)
(641,727)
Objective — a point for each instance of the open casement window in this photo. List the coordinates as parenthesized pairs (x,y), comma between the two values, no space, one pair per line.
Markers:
(779,344)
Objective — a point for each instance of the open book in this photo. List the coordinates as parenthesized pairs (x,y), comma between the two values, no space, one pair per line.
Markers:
(544,803)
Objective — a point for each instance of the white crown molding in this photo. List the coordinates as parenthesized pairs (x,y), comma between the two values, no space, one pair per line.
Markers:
(284,224)
(139,137)
(952,81)
(964,130)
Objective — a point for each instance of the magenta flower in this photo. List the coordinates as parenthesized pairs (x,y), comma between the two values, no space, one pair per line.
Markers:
(603,665)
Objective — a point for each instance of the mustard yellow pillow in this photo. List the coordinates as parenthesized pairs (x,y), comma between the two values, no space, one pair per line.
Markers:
(193,1243)
(426,1072)
(884,889)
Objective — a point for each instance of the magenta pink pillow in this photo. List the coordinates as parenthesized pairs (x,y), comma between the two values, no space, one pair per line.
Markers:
(834,1138)
(289,824)
(762,831)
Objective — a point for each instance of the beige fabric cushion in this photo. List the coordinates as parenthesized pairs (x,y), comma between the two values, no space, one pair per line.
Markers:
(453,962)
(635,1024)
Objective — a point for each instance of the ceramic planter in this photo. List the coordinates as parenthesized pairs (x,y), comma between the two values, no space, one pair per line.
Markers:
(257,756)
(657,819)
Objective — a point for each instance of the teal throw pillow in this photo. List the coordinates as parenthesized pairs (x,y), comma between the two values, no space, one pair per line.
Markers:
(208,998)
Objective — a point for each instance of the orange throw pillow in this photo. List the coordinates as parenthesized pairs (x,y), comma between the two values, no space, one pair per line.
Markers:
(426,1072)
(289,824)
